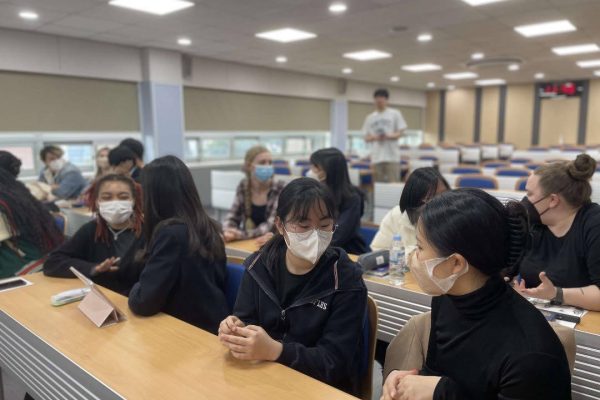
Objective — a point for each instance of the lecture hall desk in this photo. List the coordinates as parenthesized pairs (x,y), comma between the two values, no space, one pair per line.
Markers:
(59,354)
(396,304)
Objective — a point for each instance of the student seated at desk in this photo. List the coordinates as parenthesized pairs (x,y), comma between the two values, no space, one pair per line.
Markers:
(563,264)
(64,178)
(104,249)
(27,230)
(102,164)
(123,162)
(253,211)
(330,167)
(184,261)
(486,341)
(138,149)
(421,186)
(301,302)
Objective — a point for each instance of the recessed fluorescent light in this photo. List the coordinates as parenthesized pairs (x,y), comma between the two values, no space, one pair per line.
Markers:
(546,28)
(158,7)
(281,59)
(430,85)
(29,15)
(539,75)
(461,75)
(183,41)
(338,8)
(589,63)
(597,73)
(577,49)
(394,79)
(477,56)
(490,82)
(425,37)
(475,3)
(451,87)
(367,55)
(286,35)
(421,67)
(514,67)
(347,71)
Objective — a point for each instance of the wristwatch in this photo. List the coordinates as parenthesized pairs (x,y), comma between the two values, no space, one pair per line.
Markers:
(558,299)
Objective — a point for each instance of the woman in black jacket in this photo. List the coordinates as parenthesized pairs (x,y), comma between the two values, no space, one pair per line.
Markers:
(301,303)
(184,262)
(330,167)
(104,249)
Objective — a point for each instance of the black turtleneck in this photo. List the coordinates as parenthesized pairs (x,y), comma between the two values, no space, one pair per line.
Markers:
(493,344)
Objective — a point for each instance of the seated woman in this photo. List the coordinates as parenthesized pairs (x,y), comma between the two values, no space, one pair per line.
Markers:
(28,231)
(563,264)
(301,302)
(102,164)
(421,186)
(330,167)
(184,262)
(252,214)
(64,178)
(486,341)
(104,249)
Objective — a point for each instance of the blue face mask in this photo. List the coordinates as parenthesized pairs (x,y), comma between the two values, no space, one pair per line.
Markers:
(263,172)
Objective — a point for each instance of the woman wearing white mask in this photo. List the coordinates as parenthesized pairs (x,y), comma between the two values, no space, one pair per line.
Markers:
(486,341)
(64,178)
(252,214)
(301,302)
(104,249)
(102,165)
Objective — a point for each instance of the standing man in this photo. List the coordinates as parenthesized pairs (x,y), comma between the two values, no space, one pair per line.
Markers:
(382,129)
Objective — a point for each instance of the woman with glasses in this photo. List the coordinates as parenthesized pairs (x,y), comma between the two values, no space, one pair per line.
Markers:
(301,302)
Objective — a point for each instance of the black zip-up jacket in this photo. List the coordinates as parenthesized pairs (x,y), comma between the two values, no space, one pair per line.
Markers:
(321,330)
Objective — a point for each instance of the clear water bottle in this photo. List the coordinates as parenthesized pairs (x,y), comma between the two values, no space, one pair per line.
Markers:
(397,267)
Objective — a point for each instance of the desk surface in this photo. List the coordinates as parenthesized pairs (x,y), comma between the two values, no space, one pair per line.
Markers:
(243,248)
(158,357)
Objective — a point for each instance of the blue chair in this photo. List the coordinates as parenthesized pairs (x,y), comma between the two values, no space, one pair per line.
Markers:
(367,349)
(533,166)
(366,179)
(428,158)
(235,272)
(495,164)
(520,172)
(360,166)
(476,181)
(520,184)
(466,170)
(60,220)
(281,170)
(368,233)
(302,163)
(520,161)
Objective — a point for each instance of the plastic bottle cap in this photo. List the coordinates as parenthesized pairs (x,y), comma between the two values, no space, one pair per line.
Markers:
(397,237)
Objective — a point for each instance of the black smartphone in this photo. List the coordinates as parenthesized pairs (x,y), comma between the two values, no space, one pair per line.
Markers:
(12,284)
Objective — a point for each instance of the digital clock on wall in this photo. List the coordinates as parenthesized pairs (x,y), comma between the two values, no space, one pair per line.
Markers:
(553,90)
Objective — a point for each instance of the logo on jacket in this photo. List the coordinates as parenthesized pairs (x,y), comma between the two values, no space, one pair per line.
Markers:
(321,304)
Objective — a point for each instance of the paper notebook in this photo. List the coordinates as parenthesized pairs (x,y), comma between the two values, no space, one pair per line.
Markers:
(96,306)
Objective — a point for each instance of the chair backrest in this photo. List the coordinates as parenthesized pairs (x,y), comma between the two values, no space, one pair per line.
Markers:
(368,233)
(430,158)
(521,183)
(235,272)
(360,165)
(281,170)
(537,149)
(533,166)
(520,160)
(367,351)
(466,170)
(512,172)
(567,339)
(302,163)
(476,181)
(495,164)
(60,220)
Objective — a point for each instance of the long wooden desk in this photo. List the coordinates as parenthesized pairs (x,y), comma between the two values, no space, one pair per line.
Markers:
(57,353)
(243,248)
(397,304)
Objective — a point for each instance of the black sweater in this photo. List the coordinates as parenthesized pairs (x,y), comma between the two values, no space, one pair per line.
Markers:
(185,286)
(84,253)
(347,235)
(493,344)
(321,329)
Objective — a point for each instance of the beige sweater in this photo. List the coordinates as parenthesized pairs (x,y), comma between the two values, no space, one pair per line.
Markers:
(394,222)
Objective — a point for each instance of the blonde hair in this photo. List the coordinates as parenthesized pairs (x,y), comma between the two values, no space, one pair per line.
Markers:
(251,154)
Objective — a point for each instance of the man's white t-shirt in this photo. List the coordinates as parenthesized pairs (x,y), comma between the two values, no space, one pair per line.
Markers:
(384,123)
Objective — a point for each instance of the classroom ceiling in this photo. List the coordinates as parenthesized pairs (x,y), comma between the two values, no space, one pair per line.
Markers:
(225,29)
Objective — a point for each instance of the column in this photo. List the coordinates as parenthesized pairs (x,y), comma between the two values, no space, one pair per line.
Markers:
(339,124)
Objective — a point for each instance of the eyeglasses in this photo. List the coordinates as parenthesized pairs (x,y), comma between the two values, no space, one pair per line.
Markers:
(298,228)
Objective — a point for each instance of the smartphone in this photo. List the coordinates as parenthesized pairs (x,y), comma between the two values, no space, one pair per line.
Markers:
(12,283)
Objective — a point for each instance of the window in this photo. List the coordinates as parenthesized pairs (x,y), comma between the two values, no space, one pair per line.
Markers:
(295,146)
(275,145)
(80,154)
(215,148)
(191,150)
(23,153)
(241,145)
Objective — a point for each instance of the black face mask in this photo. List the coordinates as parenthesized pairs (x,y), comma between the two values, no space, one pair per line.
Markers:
(535,217)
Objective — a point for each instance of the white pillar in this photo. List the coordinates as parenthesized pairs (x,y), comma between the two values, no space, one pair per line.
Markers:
(339,124)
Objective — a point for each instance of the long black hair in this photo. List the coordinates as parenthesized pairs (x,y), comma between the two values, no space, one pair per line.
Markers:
(170,197)
(491,236)
(10,163)
(295,202)
(27,218)
(420,187)
(333,162)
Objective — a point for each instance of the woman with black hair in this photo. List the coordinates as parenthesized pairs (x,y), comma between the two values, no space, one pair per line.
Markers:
(330,167)
(421,186)
(184,260)
(486,341)
(27,230)
(10,163)
(301,302)
(105,249)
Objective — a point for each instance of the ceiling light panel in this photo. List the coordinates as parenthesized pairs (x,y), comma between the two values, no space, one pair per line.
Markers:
(588,63)
(490,82)
(576,49)
(367,55)
(421,67)
(546,28)
(476,3)
(461,75)
(157,7)
(286,35)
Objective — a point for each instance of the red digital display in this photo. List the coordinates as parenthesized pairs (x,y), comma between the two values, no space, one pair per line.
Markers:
(560,89)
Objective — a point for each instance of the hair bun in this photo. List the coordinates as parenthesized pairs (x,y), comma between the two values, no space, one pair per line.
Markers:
(582,168)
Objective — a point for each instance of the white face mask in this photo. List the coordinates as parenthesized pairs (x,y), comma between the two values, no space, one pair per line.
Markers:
(56,165)
(310,245)
(311,174)
(115,212)
(432,285)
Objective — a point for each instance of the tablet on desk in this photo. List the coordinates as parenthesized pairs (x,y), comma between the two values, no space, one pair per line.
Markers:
(13,283)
